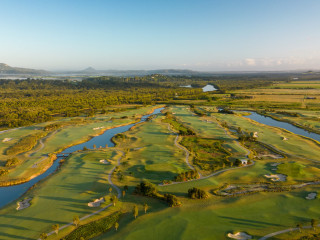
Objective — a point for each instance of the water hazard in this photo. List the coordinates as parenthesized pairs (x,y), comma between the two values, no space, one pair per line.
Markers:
(11,193)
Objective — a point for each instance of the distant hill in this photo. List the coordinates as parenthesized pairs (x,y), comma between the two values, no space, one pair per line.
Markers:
(6,69)
(92,71)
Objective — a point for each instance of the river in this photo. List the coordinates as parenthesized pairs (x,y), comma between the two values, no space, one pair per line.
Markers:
(274,123)
(11,193)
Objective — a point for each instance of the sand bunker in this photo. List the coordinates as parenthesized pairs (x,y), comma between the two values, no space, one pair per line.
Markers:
(311,196)
(6,139)
(103,161)
(255,134)
(23,204)
(239,236)
(97,128)
(284,138)
(275,164)
(96,203)
(277,177)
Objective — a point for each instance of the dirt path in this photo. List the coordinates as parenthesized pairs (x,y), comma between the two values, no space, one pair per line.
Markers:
(109,205)
(284,231)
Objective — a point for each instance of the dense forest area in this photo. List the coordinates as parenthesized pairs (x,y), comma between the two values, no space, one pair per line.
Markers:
(24,102)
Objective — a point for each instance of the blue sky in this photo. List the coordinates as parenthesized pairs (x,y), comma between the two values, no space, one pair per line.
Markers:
(206,35)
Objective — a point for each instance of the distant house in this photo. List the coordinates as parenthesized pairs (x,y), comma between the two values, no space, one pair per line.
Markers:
(244,161)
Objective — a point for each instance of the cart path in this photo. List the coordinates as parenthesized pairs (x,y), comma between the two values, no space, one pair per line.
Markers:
(284,231)
(109,205)
(201,176)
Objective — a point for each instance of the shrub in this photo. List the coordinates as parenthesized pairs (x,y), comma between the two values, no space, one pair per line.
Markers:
(196,193)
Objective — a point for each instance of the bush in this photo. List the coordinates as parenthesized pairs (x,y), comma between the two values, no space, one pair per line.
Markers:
(196,193)
(11,162)
(172,200)
(146,189)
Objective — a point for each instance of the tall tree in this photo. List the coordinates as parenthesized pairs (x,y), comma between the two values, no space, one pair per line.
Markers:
(299,226)
(114,199)
(76,220)
(116,226)
(43,236)
(145,207)
(55,228)
(314,223)
(135,211)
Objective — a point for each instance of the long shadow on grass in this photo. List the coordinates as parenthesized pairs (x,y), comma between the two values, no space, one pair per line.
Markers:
(30,218)
(11,226)
(247,222)
(140,172)
(6,236)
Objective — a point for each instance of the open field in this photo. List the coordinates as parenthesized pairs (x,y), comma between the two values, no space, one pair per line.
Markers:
(57,199)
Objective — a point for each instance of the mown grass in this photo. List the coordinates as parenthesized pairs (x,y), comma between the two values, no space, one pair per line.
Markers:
(57,199)
(56,141)
(215,217)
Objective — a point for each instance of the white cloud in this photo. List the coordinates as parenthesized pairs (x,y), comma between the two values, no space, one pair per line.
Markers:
(250,62)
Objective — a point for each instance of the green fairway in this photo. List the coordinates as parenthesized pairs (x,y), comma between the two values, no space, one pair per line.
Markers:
(208,127)
(34,161)
(214,218)
(152,155)
(65,194)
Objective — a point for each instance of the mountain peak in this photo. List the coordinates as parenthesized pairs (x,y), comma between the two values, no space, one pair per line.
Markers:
(89,69)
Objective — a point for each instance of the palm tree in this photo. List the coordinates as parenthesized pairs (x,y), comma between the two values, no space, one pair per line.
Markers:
(314,223)
(299,226)
(55,228)
(114,200)
(116,225)
(43,236)
(76,220)
(146,207)
(135,211)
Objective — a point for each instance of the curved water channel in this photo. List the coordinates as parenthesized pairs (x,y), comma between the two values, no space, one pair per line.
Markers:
(11,193)
(274,123)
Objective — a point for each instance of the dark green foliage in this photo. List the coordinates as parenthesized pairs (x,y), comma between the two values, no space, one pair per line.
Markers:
(172,200)
(94,228)
(24,102)
(196,193)
(3,172)
(25,144)
(146,189)
(185,176)
(237,163)
(11,162)
(209,154)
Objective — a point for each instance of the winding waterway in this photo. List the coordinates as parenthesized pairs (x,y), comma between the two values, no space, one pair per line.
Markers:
(274,123)
(11,193)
